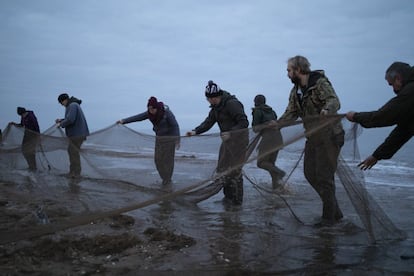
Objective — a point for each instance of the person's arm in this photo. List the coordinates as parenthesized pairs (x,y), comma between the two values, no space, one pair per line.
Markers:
(136,118)
(397,138)
(328,96)
(206,124)
(172,122)
(291,112)
(70,116)
(387,115)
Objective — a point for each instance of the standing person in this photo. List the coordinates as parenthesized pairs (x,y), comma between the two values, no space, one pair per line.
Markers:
(167,134)
(31,136)
(313,95)
(397,111)
(76,129)
(228,112)
(263,118)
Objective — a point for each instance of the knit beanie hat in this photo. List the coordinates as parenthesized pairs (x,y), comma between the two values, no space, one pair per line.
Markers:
(153,102)
(63,97)
(213,90)
(259,100)
(21,110)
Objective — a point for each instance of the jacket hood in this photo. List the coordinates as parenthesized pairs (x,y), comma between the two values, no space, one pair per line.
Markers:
(264,107)
(75,100)
(314,76)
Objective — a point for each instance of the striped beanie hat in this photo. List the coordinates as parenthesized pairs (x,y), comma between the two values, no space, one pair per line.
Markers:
(213,90)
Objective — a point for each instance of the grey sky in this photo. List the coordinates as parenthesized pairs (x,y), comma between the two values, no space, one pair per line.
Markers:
(114,55)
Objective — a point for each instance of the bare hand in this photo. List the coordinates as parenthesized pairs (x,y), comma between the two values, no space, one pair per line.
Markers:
(350,116)
(190,133)
(368,163)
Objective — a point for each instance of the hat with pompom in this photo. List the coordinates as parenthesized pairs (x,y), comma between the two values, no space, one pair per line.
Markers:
(213,90)
(152,101)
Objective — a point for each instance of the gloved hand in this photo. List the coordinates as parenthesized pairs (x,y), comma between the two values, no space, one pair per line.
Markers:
(225,136)
(190,133)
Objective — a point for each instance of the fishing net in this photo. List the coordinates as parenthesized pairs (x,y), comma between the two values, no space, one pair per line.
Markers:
(119,161)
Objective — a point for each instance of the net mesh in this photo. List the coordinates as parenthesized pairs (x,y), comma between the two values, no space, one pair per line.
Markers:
(120,161)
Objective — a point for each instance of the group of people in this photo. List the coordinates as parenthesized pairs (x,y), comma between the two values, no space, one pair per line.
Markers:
(311,98)
(76,129)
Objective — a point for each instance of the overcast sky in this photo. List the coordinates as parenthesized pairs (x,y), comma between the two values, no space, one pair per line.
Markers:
(114,55)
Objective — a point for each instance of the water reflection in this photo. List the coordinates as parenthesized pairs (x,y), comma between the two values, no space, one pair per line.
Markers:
(228,248)
(323,260)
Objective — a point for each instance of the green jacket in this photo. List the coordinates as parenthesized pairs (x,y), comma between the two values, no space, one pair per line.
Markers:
(262,114)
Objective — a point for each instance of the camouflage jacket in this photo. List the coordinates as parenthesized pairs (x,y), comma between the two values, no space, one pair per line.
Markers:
(318,95)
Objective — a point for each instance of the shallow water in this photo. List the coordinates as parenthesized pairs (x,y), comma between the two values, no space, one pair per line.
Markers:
(268,233)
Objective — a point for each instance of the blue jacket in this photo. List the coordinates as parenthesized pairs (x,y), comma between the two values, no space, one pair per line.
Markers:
(74,123)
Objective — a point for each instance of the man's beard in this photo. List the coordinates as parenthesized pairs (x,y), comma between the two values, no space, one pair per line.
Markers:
(295,79)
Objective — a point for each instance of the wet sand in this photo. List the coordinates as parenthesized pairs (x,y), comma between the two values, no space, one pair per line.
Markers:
(267,235)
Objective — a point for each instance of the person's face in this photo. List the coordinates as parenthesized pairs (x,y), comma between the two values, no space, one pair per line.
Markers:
(214,100)
(293,74)
(396,83)
(152,110)
(64,102)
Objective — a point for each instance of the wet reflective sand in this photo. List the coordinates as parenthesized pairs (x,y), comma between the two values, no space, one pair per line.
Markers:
(269,233)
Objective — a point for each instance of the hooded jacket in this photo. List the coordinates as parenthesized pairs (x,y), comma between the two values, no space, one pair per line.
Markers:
(397,111)
(74,123)
(228,114)
(262,114)
(318,95)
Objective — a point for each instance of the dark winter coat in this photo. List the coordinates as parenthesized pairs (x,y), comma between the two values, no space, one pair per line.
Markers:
(228,114)
(30,122)
(397,111)
(167,126)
